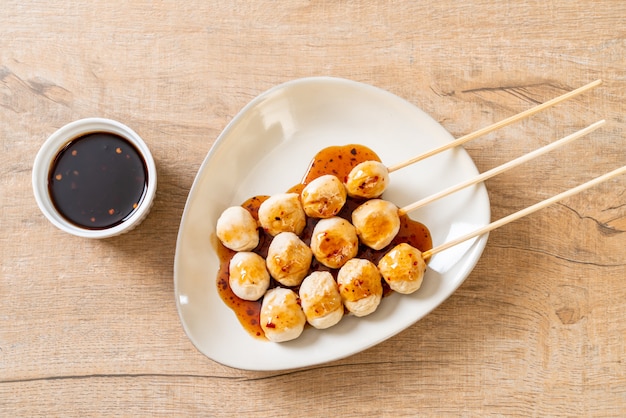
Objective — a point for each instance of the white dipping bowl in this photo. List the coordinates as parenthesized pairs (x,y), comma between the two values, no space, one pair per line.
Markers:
(57,142)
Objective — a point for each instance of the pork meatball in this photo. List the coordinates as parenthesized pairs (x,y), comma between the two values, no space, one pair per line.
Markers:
(282,318)
(282,213)
(237,229)
(320,300)
(334,241)
(403,268)
(360,286)
(377,223)
(368,179)
(288,259)
(323,197)
(247,275)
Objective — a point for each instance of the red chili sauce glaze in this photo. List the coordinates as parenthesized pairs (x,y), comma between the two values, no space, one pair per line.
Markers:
(339,161)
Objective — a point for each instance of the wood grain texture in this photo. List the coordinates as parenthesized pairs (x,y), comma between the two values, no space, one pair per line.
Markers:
(538,328)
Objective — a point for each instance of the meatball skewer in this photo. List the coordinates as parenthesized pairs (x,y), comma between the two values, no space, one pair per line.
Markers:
(403,267)
(369,179)
(377,222)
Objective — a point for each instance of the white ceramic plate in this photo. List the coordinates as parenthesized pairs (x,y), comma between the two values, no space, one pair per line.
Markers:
(266,149)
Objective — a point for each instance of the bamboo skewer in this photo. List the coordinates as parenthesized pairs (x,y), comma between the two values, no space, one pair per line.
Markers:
(517,215)
(497,125)
(502,168)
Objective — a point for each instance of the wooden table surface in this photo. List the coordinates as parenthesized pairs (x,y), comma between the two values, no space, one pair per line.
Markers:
(90,327)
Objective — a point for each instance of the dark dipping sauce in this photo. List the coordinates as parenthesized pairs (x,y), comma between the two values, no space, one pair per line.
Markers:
(338,161)
(98,180)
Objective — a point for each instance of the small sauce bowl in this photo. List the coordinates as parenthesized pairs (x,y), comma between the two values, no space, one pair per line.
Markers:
(94,178)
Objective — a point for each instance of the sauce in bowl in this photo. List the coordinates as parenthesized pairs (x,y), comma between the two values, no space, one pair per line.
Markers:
(97,180)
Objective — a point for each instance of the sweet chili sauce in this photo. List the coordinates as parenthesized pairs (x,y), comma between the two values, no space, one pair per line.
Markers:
(339,161)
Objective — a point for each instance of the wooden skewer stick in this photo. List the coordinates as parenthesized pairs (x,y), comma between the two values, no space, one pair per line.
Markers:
(500,169)
(524,212)
(497,125)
